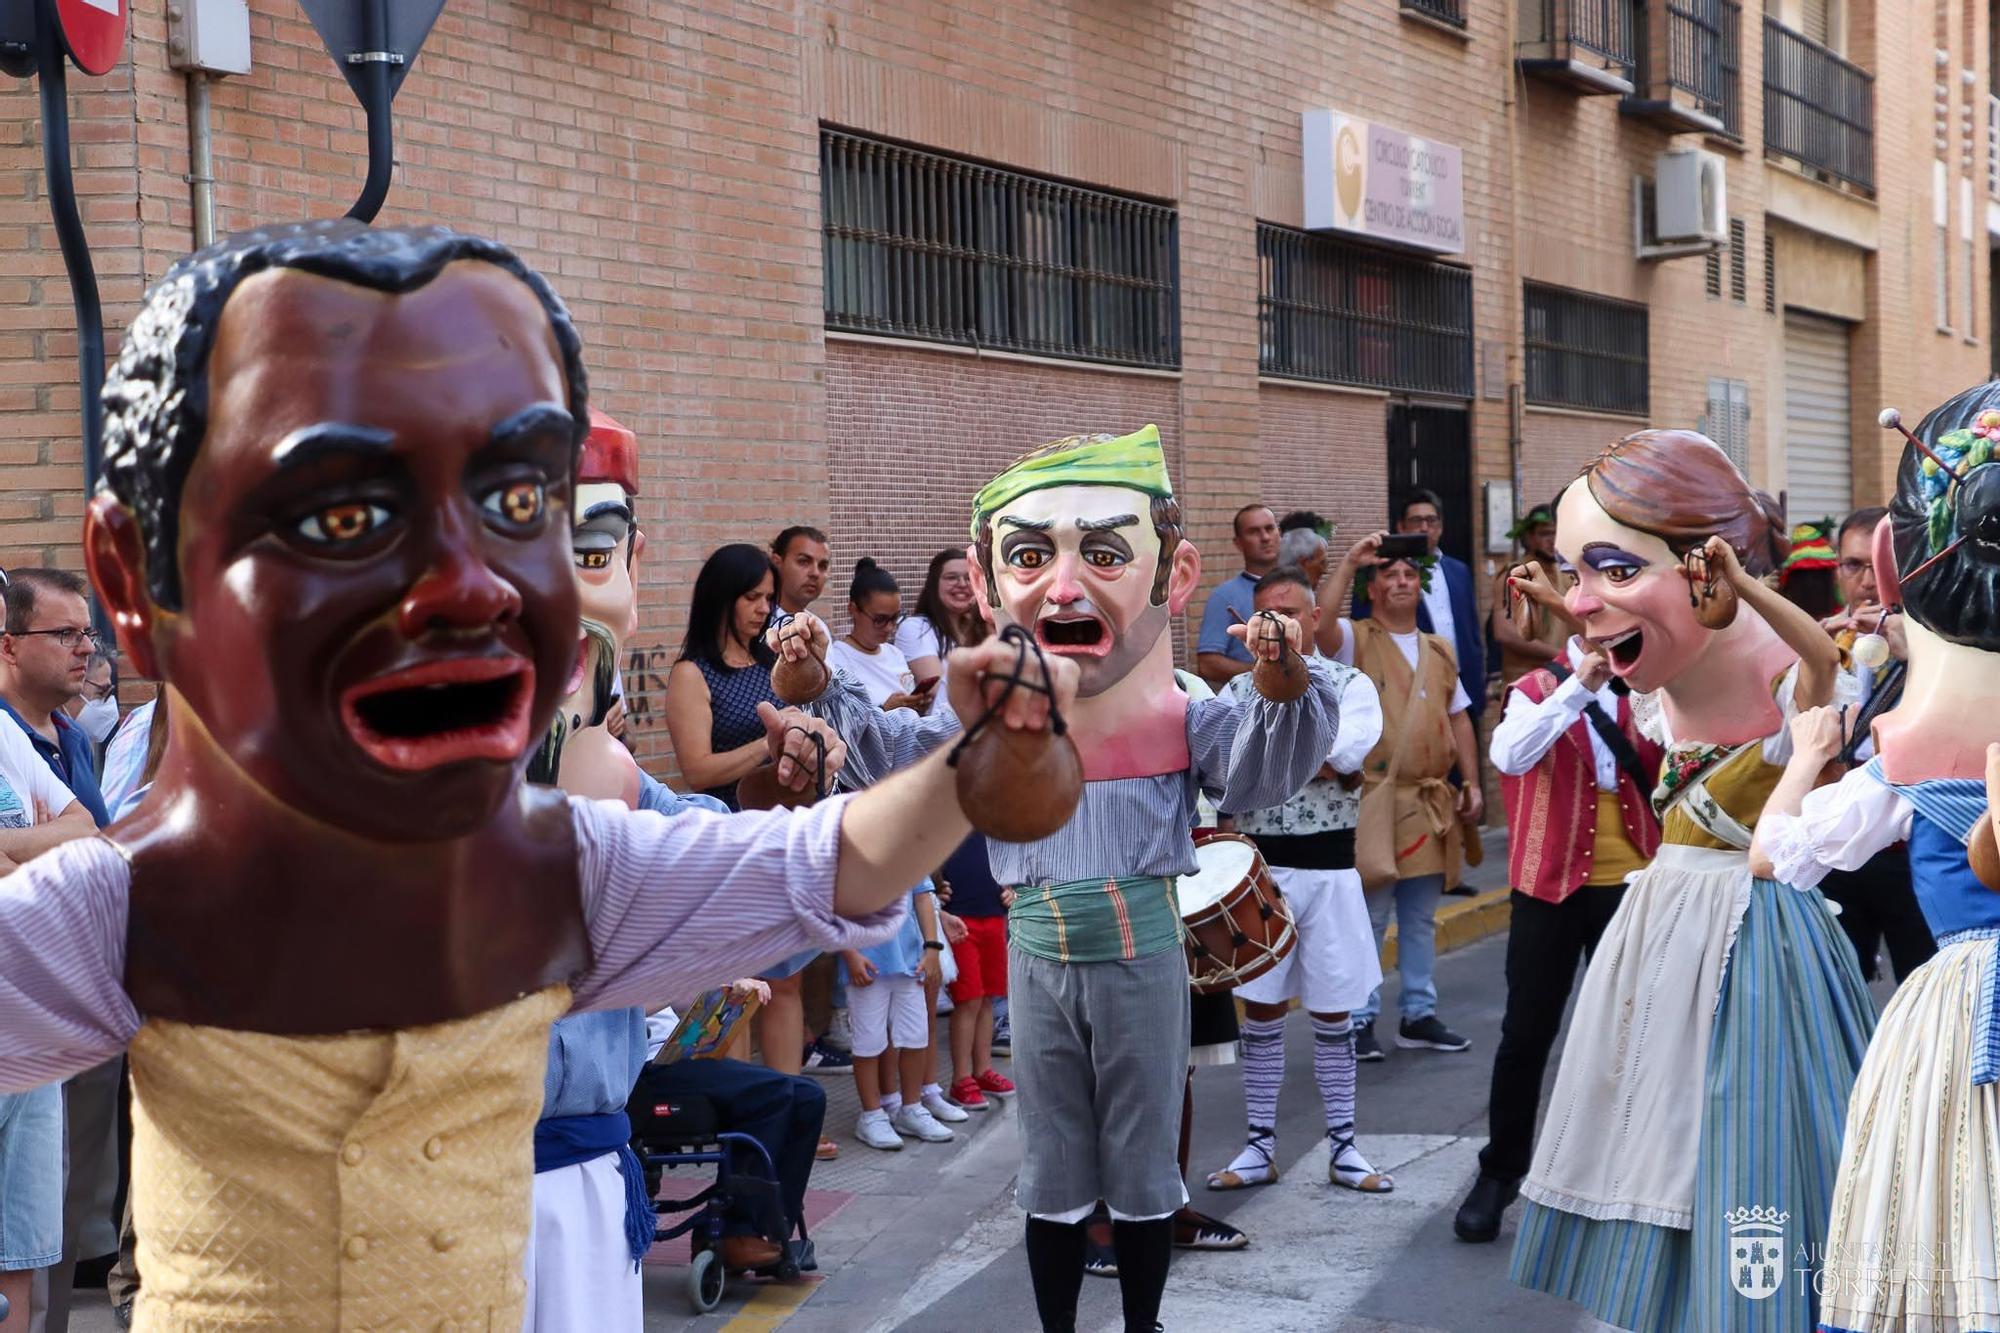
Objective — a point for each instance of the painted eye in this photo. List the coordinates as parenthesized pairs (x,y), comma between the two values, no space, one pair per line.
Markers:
(1620,574)
(518,502)
(1027,557)
(593,559)
(337,524)
(1104,559)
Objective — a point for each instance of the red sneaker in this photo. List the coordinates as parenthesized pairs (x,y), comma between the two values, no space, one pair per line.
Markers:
(966,1093)
(996,1083)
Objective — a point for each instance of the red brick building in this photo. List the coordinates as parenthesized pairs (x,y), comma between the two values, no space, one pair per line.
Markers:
(836,261)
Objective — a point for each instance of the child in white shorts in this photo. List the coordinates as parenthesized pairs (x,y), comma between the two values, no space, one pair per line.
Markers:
(885,1004)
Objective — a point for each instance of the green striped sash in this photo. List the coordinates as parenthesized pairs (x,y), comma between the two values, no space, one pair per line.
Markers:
(1095,920)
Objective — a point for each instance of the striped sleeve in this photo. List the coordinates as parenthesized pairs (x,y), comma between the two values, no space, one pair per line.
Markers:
(676,905)
(62,953)
(1250,753)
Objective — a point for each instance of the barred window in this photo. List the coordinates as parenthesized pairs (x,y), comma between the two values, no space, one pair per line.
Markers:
(1344,314)
(1585,351)
(921,245)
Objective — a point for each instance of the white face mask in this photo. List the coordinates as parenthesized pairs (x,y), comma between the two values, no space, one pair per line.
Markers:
(98,717)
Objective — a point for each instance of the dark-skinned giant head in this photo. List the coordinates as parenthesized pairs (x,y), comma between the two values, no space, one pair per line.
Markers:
(336,518)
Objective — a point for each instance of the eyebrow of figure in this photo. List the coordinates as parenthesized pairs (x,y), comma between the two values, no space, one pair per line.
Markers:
(1604,555)
(1027,524)
(529,422)
(330,438)
(1110,524)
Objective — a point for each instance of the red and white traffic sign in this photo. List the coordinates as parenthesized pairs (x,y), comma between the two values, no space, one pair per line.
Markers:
(93,31)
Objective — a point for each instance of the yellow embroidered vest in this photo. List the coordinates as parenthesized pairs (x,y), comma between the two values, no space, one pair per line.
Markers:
(376,1180)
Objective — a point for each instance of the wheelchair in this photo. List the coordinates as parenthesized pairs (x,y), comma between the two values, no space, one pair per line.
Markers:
(682,1132)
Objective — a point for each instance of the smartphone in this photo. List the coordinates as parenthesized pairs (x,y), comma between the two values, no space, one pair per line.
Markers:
(926,686)
(1404,546)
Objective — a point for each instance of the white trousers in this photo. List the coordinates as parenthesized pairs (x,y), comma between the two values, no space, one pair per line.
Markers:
(580,1273)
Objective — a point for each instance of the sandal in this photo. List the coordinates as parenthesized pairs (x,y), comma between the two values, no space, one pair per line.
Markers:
(1199,1231)
(1369,1181)
(826,1151)
(1262,1143)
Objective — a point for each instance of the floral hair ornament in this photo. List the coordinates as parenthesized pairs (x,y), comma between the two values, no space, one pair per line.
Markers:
(1946,465)
(1528,522)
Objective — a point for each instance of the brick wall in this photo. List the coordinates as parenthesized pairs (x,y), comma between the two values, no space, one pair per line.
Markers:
(912,434)
(658,160)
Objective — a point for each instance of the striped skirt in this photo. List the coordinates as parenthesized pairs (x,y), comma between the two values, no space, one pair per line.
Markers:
(1913,1246)
(1790,1026)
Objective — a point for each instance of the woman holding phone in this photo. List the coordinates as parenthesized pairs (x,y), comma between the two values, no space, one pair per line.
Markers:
(947,617)
(868,650)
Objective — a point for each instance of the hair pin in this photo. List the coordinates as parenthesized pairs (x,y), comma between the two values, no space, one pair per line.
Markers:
(1892,419)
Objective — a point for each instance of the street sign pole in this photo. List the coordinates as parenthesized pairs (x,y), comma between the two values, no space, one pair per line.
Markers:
(374,42)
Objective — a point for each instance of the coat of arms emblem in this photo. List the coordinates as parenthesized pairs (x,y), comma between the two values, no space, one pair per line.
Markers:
(1756,1250)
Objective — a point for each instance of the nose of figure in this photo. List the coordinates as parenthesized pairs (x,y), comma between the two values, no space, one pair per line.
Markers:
(1583,605)
(459,591)
(1065,587)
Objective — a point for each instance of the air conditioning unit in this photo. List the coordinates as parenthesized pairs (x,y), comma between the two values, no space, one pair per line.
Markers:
(1690,198)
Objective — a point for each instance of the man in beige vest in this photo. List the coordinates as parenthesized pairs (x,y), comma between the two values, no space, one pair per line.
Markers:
(1424,721)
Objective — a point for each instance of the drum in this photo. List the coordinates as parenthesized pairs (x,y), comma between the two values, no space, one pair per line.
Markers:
(1236,923)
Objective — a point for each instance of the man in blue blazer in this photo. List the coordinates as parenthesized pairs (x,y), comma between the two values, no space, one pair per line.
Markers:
(1449,608)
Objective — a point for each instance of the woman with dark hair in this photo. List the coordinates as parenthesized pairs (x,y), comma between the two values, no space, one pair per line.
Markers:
(1912,1239)
(723,673)
(947,616)
(1722,1017)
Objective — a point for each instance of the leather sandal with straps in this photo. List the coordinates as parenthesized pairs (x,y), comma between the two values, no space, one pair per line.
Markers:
(1369,1182)
(1262,1143)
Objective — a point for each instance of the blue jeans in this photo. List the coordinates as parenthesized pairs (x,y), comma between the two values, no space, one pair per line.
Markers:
(1416,902)
(31,1178)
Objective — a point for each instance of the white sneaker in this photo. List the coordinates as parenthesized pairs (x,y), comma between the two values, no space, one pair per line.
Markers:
(839,1031)
(874,1129)
(942,1109)
(917,1123)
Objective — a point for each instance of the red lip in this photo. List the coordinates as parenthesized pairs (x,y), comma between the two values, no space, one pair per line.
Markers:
(442,712)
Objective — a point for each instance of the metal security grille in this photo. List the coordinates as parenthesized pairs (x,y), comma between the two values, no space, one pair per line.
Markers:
(1445,11)
(1585,351)
(1345,315)
(920,245)
(1818,108)
(1739,261)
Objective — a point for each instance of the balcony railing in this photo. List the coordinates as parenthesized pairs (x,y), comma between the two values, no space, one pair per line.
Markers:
(1696,83)
(1589,44)
(1819,110)
(1451,12)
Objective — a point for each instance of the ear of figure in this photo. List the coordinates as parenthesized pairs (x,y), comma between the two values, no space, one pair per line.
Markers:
(1184,578)
(115,558)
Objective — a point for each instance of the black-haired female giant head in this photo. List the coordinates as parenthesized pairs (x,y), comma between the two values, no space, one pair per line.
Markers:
(339,464)
(1945,521)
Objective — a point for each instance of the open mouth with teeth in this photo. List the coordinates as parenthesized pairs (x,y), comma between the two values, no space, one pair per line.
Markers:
(440,713)
(1074,636)
(1624,650)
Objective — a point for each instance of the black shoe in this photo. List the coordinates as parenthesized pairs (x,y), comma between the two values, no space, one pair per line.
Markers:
(1365,1045)
(1478,1219)
(1463,891)
(1427,1031)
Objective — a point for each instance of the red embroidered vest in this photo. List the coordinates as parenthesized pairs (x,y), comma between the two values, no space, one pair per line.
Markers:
(1552,808)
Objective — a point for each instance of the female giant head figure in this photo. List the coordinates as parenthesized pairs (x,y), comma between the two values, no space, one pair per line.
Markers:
(1945,521)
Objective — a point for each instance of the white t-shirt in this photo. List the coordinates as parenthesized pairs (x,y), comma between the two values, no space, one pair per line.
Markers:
(882,673)
(1408,643)
(915,638)
(26,781)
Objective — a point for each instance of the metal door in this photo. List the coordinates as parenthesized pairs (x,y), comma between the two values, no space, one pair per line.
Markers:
(1818,418)
(1431,447)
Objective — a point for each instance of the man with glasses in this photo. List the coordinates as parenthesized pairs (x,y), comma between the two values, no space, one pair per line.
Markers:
(45,657)
(44,661)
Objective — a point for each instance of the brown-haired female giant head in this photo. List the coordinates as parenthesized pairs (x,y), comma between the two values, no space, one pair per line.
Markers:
(1680,486)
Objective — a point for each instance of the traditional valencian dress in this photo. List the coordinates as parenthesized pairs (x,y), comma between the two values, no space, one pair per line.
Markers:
(1704,1084)
(1913,1244)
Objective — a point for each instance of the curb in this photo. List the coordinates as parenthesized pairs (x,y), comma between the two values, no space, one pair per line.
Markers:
(1459,923)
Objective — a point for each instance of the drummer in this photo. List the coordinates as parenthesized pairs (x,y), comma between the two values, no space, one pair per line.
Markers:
(1080,545)
(1308,845)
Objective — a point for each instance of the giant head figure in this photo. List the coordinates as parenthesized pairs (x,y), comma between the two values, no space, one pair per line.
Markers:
(1080,544)
(337,520)
(580,755)
(1940,557)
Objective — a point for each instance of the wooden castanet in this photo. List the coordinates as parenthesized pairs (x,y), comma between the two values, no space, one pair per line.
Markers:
(1983,850)
(799,682)
(1019,786)
(1283,679)
(760,790)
